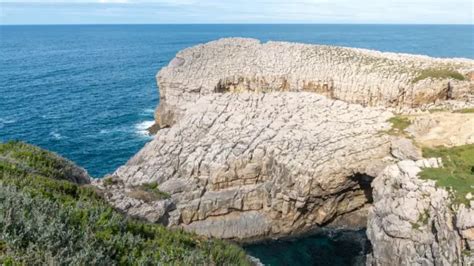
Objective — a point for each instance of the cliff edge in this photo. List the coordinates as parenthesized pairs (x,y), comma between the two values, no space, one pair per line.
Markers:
(261,140)
(365,77)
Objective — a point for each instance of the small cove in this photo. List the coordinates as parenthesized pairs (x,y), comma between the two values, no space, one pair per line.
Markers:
(327,247)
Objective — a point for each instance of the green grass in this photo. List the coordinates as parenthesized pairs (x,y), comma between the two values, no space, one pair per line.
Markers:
(438,74)
(46,219)
(399,124)
(465,111)
(153,189)
(458,170)
(423,219)
(108,181)
(148,193)
(438,110)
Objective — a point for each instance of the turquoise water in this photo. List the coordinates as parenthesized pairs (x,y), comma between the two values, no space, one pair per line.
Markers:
(88,92)
(328,248)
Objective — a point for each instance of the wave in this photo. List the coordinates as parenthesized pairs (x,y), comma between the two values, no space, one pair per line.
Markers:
(5,121)
(142,128)
(55,135)
(147,112)
(114,130)
(50,116)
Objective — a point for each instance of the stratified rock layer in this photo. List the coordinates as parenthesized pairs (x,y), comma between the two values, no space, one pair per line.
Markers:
(254,165)
(353,75)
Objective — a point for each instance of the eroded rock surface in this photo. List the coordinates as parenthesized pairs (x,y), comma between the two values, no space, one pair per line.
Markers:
(353,75)
(412,223)
(253,143)
(443,129)
(254,165)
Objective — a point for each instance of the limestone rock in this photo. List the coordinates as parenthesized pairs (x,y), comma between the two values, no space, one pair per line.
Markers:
(443,129)
(266,140)
(403,149)
(352,75)
(465,224)
(296,159)
(134,201)
(430,163)
(411,222)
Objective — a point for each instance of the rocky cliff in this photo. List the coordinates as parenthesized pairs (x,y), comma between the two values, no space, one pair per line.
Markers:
(263,140)
(413,222)
(353,75)
(257,165)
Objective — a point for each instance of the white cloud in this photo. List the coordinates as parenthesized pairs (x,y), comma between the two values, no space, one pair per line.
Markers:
(98,1)
(260,11)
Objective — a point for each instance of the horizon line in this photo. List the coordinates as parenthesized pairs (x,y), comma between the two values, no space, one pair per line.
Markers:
(217,24)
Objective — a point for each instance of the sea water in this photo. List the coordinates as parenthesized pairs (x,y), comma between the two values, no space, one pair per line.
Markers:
(89,92)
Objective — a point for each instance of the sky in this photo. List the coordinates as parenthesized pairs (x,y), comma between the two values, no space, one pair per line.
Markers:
(237,11)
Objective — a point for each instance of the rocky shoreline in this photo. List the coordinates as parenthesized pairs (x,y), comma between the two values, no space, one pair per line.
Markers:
(257,141)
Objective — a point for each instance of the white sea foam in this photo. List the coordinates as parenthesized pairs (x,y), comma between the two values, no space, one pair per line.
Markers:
(114,130)
(50,116)
(147,112)
(142,128)
(4,122)
(7,121)
(55,135)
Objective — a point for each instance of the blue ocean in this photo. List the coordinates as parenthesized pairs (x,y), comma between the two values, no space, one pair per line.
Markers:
(88,92)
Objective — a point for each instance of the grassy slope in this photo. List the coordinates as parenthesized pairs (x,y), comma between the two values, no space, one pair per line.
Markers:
(45,219)
(458,170)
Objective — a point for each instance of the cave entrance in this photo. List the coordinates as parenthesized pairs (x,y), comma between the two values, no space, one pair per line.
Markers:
(364,182)
(354,218)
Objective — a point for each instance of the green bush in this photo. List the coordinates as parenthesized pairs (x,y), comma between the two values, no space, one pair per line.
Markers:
(36,160)
(438,73)
(45,219)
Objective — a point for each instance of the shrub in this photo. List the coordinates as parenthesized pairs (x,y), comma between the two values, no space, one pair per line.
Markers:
(45,219)
(438,73)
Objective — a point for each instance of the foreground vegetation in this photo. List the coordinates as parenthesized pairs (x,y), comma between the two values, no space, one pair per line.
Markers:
(458,170)
(46,219)
(399,124)
(438,74)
